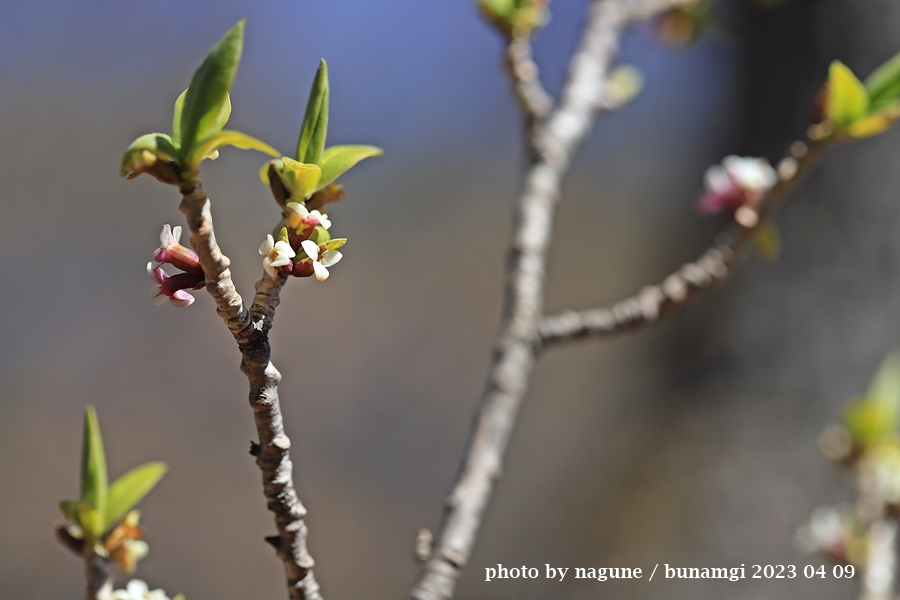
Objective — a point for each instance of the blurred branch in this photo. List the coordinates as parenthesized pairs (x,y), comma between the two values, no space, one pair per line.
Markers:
(655,301)
(877,582)
(554,143)
(99,577)
(533,99)
(250,330)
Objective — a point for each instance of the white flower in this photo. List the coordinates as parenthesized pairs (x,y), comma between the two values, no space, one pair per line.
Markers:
(750,173)
(138,590)
(320,263)
(275,254)
(298,213)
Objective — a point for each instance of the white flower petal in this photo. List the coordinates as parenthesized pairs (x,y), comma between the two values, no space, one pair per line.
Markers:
(283,249)
(311,249)
(153,273)
(331,257)
(176,233)
(156,295)
(137,588)
(322,219)
(320,271)
(266,247)
(267,265)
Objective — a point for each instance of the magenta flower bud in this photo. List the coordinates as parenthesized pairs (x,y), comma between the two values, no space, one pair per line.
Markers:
(738,181)
(172,286)
(172,252)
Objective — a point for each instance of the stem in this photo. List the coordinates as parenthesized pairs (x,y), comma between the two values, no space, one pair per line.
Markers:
(250,330)
(99,577)
(554,143)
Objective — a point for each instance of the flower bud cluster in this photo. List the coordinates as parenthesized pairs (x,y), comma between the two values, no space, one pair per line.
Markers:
(173,287)
(304,247)
(738,182)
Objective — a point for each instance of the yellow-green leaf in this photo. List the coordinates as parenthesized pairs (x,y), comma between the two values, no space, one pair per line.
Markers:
(311,142)
(848,99)
(338,159)
(94,482)
(176,119)
(875,123)
(335,243)
(210,144)
(300,178)
(884,390)
(69,509)
(766,241)
(883,85)
(90,522)
(158,145)
(129,489)
(203,102)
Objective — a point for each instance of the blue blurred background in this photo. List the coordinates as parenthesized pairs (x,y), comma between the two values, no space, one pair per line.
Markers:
(691,444)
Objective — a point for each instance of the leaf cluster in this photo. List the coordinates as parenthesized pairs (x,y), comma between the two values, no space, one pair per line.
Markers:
(861,109)
(102,505)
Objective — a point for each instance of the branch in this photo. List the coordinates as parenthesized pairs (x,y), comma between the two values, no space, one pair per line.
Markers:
(533,99)
(881,537)
(690,280)
(99,577)
(250,330)
(555,143)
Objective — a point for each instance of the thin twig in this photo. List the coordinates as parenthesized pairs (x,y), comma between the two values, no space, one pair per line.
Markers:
(250,330)
(533,99)
(690,280)
(554,143)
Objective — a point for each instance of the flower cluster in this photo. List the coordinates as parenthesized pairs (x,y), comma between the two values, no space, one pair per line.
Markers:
(172,287)
(304,248)
(138,590)
(736,183)
(833,532)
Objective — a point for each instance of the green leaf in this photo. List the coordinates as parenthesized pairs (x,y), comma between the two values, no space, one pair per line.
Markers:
(848,99)
(129,489)
(90,522)
(300,178)
(339,159)
(875,123)
(210,144)
(94,482)
(216,124)
(883,85)
(311,142)
(884,390)
(320,235)
(69,509)
(159,145)
(208,92)
(498,8)
(176,119)
(335,243)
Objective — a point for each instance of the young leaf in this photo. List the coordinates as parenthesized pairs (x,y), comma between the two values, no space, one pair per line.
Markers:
(338,159)
(208,92)
(883,85)
(94,480)
(875,123)
(210,144)
(176,119)
(69,509)
(159,145)
(311,142)
(129,489)
(884,390)
(90,522)
(766,241)
(301,178)
(848,100)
